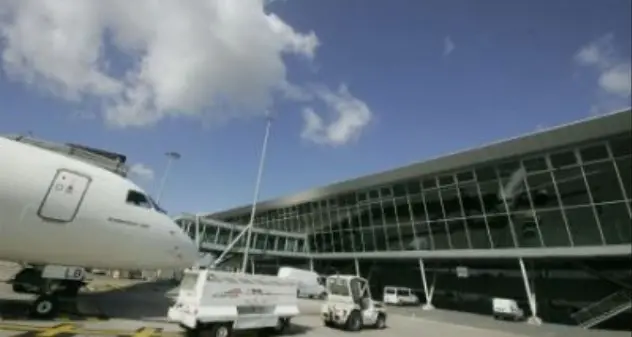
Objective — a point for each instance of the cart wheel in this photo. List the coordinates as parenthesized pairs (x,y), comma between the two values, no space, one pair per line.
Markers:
(217,330)
(45,306)
(354,322)
(381,322)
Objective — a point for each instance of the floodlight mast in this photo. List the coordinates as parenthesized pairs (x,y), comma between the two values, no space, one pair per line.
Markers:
(248,229)
(171,156)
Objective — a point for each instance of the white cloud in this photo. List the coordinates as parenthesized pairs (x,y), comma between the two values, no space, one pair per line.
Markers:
(187,57)
(350,117)
(144,60)
(448,46)
(142,171)
(613,74)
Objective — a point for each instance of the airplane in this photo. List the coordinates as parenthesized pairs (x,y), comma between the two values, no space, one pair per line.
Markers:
(61,215)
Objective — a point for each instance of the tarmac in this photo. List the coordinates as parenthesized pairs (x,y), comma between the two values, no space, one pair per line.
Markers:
(127,308)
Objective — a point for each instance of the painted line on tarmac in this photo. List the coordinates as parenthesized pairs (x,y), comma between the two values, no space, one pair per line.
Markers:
(71,330)
(458,325)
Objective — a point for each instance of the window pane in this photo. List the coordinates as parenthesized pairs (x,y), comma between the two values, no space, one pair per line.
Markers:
(594,153)
(393,237)
(527,229)
(625,171)
(367,230)
(542,190)
(603,182)
(583,225)
(409,239)
(458,235)
(553,229)
(535,164)
(563,159)
(571,186)
(413,187)
(501,231)
(465,176)
(485,174)
(621,146)
(399,190)
(440,235)
(451,203)
(433,205)
(470,200)
(429,183)
(478,233)
(446,180)
(615,221)
(402,210)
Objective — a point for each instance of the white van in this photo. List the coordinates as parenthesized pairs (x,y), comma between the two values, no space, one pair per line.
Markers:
(399,296)
(504,308)
(310,284)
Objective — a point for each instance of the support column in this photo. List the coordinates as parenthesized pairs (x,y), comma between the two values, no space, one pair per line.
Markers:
(427,292)
(357,267)
(534,319)
(311,264)
(252,265)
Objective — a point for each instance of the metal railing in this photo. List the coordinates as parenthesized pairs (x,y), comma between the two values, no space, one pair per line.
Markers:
(603,309)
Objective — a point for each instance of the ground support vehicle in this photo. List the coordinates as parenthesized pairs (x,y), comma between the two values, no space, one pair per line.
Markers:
(216,304)
(349,304)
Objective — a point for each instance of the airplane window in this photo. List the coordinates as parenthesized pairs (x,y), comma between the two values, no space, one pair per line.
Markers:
(138,199)
(156,207)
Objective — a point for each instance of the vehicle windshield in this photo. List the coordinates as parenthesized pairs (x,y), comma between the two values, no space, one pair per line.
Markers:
(155,205)
(403,292)
(337,286)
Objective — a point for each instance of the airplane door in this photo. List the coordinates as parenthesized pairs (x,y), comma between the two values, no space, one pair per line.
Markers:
(64,197)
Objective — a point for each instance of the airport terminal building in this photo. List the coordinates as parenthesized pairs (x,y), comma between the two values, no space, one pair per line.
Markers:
(544,219)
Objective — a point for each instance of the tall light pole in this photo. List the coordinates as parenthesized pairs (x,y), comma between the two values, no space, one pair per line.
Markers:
(264,149)
(171,156)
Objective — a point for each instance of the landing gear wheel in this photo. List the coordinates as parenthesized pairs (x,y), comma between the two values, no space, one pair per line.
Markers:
(354,322)
(217,330)
(45,306)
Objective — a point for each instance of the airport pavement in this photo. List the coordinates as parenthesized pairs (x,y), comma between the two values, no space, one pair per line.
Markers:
(136,309)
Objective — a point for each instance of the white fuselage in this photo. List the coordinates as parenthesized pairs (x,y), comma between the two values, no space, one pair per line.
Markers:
(58,210)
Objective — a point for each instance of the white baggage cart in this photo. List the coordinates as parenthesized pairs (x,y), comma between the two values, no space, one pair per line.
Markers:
(214,304)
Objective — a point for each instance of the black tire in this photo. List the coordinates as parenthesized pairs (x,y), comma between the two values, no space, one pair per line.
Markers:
(380,323)
(217,330)
(354,321)
(45,307)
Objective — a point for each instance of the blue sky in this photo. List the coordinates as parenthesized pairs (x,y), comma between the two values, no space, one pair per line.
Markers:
(423,78)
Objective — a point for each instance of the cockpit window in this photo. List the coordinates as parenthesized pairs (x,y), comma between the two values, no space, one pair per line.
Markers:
(156,206)
(138,199)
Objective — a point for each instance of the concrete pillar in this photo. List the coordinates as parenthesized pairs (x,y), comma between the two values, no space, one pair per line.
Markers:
(357,267)
(427,291)
(534,319)
(311,264)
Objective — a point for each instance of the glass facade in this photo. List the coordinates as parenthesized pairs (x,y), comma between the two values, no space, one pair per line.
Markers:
(577,196)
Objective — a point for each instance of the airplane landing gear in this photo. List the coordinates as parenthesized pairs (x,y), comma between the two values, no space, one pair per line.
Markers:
(54,285)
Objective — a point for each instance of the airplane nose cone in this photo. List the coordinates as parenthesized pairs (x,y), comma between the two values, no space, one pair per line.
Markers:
(188,250)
